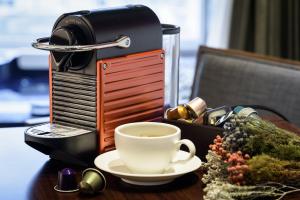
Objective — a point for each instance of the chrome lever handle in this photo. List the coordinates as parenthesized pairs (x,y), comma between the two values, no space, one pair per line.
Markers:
(122,42)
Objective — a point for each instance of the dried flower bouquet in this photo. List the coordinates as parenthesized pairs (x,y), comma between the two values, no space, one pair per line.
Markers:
(253,160)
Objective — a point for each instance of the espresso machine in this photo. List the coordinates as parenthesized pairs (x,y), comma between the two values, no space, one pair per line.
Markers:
(106,68)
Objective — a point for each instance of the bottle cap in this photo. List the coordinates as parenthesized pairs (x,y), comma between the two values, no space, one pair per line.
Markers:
(66,181)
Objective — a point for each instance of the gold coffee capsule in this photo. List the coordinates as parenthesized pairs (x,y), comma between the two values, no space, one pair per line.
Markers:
(177,113)
(196,107)
(183,112)
(93,181)
(172,113)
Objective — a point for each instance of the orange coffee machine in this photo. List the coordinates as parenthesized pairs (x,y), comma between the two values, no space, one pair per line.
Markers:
(106,68)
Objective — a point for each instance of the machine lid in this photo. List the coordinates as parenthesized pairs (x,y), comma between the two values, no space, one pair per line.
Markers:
(138,24)
(170,29)
(105,33)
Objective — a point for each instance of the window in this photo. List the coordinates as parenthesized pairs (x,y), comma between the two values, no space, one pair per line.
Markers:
(21,22)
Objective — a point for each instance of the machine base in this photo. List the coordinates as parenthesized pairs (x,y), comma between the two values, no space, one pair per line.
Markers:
(63,143)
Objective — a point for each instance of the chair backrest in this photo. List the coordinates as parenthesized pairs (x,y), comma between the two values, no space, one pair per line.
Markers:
(232,77)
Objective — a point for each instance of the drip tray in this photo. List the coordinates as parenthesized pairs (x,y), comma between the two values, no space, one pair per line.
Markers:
(65,143)
(55,130)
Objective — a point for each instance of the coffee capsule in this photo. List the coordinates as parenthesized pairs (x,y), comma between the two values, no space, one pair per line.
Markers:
(177,113)
(196,107)
(237,109)
(172,114)
(248,112)
(213,115)
(183,112)
(224,118)
(93,181)
(66,181)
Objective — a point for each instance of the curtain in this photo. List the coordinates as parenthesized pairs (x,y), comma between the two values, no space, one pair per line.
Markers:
(218,19)
(269,27)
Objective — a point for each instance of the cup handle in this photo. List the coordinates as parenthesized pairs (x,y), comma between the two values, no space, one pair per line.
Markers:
(190,145)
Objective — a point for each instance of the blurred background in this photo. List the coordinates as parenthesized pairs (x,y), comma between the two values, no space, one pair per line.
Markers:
(215,23)
(24,70)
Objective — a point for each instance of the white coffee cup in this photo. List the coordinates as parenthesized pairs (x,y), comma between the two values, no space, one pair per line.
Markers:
(150,147)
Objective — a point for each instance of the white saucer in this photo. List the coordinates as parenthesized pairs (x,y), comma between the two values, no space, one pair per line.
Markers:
(110,162)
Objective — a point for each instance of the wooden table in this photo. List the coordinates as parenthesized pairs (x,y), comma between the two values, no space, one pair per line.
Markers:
(28,174)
